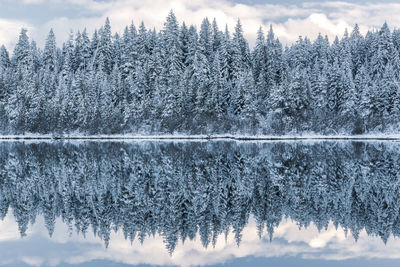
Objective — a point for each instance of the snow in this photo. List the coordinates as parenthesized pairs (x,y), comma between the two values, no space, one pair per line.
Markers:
(183,137)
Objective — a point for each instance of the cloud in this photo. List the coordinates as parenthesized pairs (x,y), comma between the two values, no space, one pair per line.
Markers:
(310,27)
(289,20)
(32,2)
(154,12)
(9,30)
(33,261)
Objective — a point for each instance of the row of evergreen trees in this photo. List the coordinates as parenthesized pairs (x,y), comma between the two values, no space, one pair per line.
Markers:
(181,190)
(207,81)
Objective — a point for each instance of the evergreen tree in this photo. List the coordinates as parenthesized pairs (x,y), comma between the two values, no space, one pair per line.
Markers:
(4,59)
(105,48)
(297,100)
(171,71)
(189,81)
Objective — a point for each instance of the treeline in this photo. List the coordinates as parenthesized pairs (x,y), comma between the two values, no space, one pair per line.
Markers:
(208,81)
(181,190)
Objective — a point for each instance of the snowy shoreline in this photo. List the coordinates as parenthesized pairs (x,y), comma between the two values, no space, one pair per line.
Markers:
(389,137)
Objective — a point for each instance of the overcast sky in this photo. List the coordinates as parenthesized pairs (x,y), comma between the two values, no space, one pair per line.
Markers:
(289,18)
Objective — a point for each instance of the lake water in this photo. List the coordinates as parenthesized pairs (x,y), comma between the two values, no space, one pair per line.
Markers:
(199,203)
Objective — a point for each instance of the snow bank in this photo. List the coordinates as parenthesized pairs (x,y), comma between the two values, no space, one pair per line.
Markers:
(393,137)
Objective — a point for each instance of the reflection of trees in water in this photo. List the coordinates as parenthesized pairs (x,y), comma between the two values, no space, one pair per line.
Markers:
(180,190)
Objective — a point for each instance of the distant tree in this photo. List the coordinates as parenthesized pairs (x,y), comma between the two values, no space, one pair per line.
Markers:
(184,80)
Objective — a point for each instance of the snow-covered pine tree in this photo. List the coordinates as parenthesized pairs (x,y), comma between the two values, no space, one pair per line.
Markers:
(171,72)
(182,79)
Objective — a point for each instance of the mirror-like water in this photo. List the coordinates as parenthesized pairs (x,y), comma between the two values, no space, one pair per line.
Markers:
(199,203)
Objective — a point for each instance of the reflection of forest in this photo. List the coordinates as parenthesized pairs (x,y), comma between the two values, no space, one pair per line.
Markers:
(183,189)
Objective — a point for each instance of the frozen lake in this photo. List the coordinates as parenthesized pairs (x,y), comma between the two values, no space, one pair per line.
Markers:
(199,203)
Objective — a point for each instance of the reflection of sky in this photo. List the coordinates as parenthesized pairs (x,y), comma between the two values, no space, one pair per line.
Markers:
(305,247)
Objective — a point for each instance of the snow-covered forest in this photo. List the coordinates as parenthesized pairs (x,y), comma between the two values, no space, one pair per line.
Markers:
(180,190)
(201,81)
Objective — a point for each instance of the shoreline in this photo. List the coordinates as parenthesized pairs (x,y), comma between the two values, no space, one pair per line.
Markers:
(394,137)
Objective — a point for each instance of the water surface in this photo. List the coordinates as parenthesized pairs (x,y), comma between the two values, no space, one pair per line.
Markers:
(199,203)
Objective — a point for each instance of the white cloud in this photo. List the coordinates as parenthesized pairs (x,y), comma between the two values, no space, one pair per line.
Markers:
(33,261)
(9,30)
(310,27)
(289,21)
(33,2)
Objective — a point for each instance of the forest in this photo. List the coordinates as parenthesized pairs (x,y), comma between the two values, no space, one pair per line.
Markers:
(181,80)
(182,190)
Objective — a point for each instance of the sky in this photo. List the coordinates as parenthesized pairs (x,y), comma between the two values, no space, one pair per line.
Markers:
(289,18)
